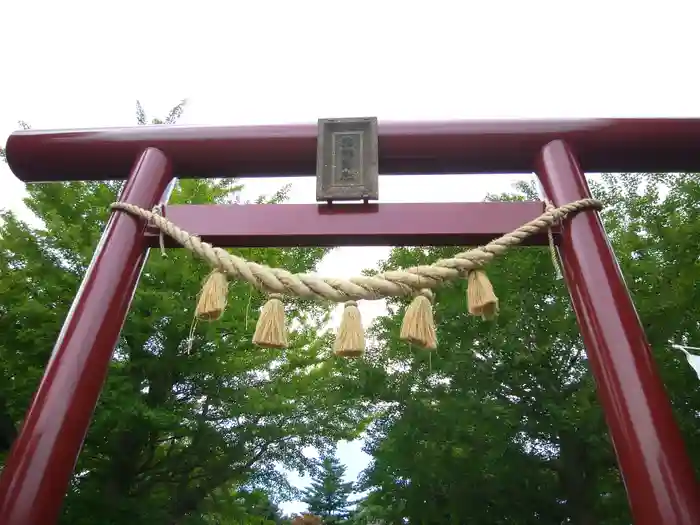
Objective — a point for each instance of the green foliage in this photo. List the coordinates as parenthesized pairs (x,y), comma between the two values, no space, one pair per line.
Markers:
(501,424)
(327,497)
(250,507)
(175,433)
(172,118)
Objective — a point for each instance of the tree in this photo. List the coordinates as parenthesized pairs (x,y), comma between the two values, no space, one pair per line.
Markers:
(252,507)
(327,497)
(502,424)
(176,432)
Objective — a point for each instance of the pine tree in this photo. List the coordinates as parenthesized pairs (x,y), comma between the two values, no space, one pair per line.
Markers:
(328,496)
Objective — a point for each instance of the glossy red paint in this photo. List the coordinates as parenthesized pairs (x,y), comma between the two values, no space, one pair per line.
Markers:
(286,225)
(658,474)
(501,146)
(39,468)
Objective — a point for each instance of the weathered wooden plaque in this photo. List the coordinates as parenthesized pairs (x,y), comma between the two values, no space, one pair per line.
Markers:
(347,159)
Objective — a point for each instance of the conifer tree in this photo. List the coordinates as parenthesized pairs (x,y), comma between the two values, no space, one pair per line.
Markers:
(328,496)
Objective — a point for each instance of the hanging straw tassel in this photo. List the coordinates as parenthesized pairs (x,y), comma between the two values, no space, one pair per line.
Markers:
(271,332)
(350,340)
(480,297)
(212,298)
(418,326)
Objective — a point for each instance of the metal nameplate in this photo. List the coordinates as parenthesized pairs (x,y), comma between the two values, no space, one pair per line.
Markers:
(347,159)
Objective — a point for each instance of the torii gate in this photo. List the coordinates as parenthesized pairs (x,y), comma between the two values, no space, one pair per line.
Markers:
(658,475)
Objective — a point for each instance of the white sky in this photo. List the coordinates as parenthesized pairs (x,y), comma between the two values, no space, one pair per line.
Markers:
(80,64)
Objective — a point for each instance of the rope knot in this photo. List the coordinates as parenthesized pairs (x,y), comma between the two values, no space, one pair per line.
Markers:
(427,293)
(549,208)
(158,211)
(276,296)
(557,219)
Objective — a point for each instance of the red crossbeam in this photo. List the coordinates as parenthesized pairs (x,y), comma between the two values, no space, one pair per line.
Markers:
(499,146)
(286,225)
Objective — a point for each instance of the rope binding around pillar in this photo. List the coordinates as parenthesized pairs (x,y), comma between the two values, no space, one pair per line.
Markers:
(418,325)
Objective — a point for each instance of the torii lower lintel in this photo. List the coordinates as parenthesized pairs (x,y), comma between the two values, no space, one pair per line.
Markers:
(376,224)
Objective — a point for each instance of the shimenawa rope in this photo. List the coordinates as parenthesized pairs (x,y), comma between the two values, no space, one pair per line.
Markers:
(418,281)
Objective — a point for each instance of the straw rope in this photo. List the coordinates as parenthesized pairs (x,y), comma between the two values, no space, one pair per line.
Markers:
(407,282)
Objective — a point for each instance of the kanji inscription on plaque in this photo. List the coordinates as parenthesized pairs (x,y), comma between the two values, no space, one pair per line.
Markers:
(347,159)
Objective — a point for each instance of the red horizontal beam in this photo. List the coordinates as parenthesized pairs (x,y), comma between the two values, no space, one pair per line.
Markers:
(288,225)
(501,146)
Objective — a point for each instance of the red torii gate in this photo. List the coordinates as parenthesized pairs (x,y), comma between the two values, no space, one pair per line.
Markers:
(658,475)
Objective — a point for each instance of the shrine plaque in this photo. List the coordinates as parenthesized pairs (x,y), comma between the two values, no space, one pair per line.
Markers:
(347,159)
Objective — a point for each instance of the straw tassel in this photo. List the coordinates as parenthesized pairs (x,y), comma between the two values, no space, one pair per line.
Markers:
(418,326)
(481,300)
(212,298)
(271,332)
(350,340)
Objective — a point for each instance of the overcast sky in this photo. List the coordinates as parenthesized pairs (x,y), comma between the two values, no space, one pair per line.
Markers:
(83,64)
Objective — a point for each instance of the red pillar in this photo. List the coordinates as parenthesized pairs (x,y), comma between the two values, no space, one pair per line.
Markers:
(658,475)
(41,462)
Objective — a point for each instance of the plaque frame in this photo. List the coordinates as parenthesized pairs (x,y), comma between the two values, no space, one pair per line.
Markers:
(342,172)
